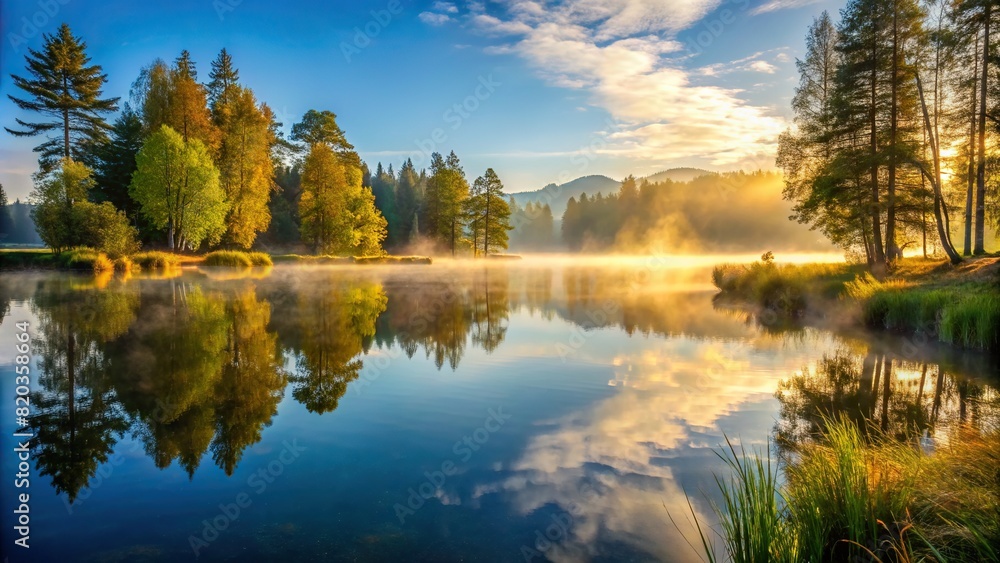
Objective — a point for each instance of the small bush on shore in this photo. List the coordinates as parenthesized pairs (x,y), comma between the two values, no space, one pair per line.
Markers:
(236,259)
(154,260)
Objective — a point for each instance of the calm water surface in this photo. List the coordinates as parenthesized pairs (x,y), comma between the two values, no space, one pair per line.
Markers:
(525,411)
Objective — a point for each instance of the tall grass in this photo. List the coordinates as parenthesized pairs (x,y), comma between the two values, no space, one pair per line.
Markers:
(154,260)
(972,322)
(237,259)
(785,289)
(847,498)
(966,315)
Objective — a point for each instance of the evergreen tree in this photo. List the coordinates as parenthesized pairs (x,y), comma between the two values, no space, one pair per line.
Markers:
(222,79)
(115,164)
(63,85)
(447,190)
(6,222)
(407,203)
(492,212)
(383,185)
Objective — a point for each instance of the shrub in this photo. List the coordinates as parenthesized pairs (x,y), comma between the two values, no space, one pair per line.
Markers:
(155,260)
(105,228)
(237,259)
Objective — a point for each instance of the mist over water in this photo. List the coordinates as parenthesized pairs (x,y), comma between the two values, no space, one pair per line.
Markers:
(557,407)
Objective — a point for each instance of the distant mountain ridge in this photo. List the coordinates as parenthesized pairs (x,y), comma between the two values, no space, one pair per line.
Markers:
(557,195)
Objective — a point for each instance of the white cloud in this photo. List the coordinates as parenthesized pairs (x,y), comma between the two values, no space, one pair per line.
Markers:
(763,66)
(431,18)
(775,5)
(625,55)
(446,7)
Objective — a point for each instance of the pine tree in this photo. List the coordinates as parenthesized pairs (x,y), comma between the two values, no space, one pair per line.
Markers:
(407,203)
(493,212)
(63,85)
(447,189)
(6,222)
(115,163)
(222,79)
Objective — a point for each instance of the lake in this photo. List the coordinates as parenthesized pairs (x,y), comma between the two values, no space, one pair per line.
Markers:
(552,409)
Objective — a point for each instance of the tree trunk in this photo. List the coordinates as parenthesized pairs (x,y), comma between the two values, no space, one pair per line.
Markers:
(967,250)
(981,174)
(940,211)
(890,221)
(876,214)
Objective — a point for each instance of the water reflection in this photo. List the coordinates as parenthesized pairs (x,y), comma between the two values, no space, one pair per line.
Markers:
(194,367)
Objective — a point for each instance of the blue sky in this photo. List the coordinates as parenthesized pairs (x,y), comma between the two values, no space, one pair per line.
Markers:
(542,91)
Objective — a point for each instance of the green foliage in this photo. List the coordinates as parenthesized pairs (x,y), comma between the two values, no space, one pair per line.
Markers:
(105,228)
(487,214)
(444,201)
(62,83)
(177,186)
(321,127)
(56,197)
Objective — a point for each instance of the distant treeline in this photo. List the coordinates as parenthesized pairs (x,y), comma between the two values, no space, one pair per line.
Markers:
(716,212)
(16,225)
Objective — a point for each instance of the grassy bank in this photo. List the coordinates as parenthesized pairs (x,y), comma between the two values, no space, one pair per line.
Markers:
(958,306)
(362,260)
(848,499)
(83,260)
(236,259)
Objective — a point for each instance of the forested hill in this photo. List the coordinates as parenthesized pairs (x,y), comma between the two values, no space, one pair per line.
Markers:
(730,212)
(556,195)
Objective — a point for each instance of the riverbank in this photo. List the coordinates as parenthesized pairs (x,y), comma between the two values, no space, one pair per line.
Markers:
(87,260)
(956,305)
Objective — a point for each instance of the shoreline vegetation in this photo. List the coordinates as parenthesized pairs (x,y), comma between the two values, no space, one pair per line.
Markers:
(89,260)
(852,495)
(955,305)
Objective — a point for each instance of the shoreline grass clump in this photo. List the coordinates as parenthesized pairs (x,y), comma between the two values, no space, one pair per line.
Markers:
(236,259)
(784,289)
(965,315)
(861,497)
(85,259)
(155,260)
